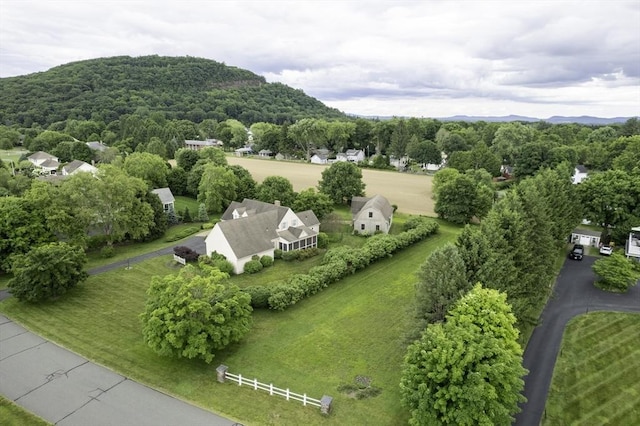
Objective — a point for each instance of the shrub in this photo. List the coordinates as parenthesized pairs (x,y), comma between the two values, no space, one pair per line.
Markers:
(107,252)
(323,240)
(283,296)
(277,254)
(252,267)
(96,242)
(308,253)
(186,253)
(182,234)
(291,255)
(266,261)
(217,261)
(259,296)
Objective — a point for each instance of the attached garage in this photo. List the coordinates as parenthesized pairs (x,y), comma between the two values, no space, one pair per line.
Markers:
(586,237)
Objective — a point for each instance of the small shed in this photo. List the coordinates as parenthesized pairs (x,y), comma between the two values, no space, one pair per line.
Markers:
(166,198)
(586,237)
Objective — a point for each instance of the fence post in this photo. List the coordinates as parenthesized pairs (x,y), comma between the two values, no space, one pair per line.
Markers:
(287,394)
(221,372)
(255,384)
(270,388)
(325,404)
(239,379)
(304,400)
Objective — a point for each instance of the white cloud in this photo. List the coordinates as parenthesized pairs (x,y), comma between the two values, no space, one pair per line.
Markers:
(423,58)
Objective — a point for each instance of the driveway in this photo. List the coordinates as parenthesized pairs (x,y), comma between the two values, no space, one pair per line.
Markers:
(574,294)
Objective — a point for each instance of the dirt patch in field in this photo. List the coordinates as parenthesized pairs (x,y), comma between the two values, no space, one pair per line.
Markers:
(410,192)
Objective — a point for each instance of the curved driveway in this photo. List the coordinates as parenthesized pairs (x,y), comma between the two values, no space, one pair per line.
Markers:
(574,294)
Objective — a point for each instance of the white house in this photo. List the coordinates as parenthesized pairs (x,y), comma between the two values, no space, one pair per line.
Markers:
(166,198)
(198,145)
(632,246)
(265,153)
(320,159)
(586,237)
(47,163)
(254,228)
(371,215)
(77,166)
(355,155)
(245,150)
(97,146)
(579,173)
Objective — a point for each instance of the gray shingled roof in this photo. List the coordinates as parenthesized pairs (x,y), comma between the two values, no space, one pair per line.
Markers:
(166,197)
(253,207)
(250,235)
(72,166)
(377,202)
(50,163)
(41,155)
(581,168)
(308,217)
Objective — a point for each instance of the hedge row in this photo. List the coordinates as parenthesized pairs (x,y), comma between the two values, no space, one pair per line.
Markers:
(336,264)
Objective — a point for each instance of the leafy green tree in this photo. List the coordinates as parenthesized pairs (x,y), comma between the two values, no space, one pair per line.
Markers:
(400,138)
(453,142)
(160,222)
(509,138)
(202,213)
(157,147)
(309,199)
(338,134)
(186,158)
(474,250)
(47,271)
(47,141)
(193,314)
(424,152)
(442,177)
(307,134)
(114,203)
(342,181)
(67,151)
(8,137)
(611,199)
(177,180)
(149,167)
(468,370)
(441,282)
(533,156)
(21,228)
(213,155)
(276,188)
(616,273)
(629,159)
(246,184)
(217,188)
(462,199)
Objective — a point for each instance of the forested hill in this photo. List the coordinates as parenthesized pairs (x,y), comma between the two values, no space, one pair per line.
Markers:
(182,87)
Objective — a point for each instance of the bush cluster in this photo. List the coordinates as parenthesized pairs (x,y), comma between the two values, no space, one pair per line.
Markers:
(342,261)
(186,253)
(253,266)
(182,234)
(217,260)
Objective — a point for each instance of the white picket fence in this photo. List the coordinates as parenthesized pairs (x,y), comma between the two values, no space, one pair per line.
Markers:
(324,404)
(179,259)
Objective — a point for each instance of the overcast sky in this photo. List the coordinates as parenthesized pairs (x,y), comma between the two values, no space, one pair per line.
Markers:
(378,58)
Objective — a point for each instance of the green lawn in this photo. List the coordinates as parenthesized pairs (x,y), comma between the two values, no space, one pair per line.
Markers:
(11,154)
(596,380)
(355,327)
(183,202)
(14,415)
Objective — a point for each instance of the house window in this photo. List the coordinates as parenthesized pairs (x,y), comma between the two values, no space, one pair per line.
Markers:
(294,222)
(362,226)
(370,214)
(377,227)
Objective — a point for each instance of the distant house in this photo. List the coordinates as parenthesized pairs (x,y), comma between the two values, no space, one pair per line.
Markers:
(254,228)
(579,174)
(46,163)
(198,145)
(632,246)
(586,237)
(371,215)
(245,150)
(166,198)
(97,146)
(77,166)
(355,155)
(506,171)
(265,153)
(320,159)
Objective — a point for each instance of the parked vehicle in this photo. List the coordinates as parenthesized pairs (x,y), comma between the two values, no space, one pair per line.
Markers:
(606,250)
(577,252)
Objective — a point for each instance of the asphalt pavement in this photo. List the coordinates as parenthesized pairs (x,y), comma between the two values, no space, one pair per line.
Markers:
(574,294)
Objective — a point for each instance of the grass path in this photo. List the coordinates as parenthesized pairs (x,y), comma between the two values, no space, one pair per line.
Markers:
(596,380)
(355,327)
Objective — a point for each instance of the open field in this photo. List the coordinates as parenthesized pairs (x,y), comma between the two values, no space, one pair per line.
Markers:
(596,380)
(354,327)
(11,154)
(410,192)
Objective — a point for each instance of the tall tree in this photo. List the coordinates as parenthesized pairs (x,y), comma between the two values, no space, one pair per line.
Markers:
(149,167)
(342,181)
(47,271)
(276,188)
(246,187)
(441,282)
(217,188)
(307,134)
(193,314)
(462,199)
(186,158)
(467,371)
(309,199)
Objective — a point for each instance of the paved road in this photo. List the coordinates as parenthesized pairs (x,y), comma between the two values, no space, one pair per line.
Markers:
(574,294)
(66,389)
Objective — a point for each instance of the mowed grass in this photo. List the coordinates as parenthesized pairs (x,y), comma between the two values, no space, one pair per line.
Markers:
(355,327)
(13,415)
(596,380)
(14,155)
(183,202)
